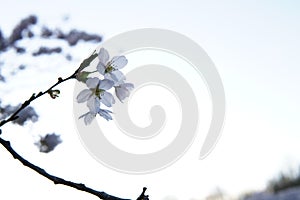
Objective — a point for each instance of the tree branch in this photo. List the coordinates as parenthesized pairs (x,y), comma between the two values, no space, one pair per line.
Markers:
(33,97)
(60,80)
(55,179)
(58,180)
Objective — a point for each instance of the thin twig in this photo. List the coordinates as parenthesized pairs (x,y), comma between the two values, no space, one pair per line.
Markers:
(58,180)
(33,97)
(60,80)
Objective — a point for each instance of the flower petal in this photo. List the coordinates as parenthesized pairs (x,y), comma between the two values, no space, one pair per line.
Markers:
(106,84)
(93,104)
(92,82)
(122,93)
(101,68)
(84,95)
(117,76)
(107,99)
(118,62)
(105,114)
(88,117)
(103,56)
(128,86)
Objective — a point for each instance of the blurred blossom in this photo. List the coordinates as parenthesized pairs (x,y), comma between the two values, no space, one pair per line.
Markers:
(48,143)
(24,115)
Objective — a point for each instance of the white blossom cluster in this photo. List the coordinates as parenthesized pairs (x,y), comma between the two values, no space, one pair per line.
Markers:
(97,92)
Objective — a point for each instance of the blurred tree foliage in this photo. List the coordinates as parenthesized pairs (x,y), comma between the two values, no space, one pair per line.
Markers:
(285,180)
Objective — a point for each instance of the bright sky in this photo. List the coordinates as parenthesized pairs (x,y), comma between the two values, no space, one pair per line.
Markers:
(255,47)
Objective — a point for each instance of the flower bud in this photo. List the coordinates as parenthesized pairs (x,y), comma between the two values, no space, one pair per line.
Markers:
(54,93)
(82,76)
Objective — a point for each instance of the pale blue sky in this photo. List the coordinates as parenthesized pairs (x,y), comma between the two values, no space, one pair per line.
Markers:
(254,44)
